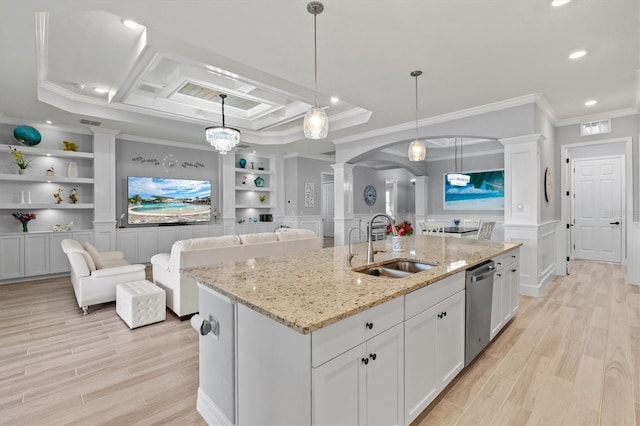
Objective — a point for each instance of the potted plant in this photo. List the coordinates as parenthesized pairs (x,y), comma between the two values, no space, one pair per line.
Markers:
(404,229)
(262,198)
(18,158)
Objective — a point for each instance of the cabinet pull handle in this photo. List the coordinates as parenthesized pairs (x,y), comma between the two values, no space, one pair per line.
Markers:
(373,356)
(369,325)
(513,270)
(365,361)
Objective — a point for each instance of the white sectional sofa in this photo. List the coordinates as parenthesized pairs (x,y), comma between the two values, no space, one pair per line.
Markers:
(182,292)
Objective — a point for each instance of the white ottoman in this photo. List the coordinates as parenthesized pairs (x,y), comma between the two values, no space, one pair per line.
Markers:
(140,303)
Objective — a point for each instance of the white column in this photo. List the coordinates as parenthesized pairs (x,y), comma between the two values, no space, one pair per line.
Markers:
(522,197)
(343,201)
(422,197)
(227,166)
(104,188)
(276,165)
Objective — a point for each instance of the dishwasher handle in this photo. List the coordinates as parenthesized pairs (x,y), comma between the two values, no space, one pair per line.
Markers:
(485,275)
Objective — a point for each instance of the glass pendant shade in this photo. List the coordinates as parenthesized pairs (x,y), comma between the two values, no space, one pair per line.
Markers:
(417,151)
(223,139)
(458,179)
(316,124)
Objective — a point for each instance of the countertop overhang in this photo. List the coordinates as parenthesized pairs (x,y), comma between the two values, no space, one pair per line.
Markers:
(313,289)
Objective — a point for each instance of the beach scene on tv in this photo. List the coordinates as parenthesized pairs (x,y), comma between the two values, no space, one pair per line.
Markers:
(485,191)
(155,200)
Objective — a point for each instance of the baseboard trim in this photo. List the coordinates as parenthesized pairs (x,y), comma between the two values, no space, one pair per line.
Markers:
(210,411)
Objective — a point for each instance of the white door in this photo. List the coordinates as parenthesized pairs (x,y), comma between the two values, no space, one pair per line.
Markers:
(597,209)
(385,375)
(327,205)
(450,338)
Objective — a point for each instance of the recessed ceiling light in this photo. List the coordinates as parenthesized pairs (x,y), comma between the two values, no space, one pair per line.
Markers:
(577,54)
(100,90)
(79,86)
(334,99)
(558,3)
(132,25)
(590,102)
(49,122)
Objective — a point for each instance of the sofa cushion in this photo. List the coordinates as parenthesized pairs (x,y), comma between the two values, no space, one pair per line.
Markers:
(95,255)
(263,237)
(198,244)
(286,234)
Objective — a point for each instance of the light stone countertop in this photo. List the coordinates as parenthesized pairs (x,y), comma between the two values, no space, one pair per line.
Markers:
(313,289)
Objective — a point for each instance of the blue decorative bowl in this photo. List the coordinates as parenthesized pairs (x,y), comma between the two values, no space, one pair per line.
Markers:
(27,135)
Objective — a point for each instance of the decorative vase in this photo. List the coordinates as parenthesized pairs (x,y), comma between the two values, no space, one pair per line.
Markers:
(243,163)
(398,243)
(72,169)
(22,171)
(29,197)
(22,197)
(24,226)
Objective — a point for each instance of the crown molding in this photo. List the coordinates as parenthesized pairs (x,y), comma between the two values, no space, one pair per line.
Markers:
(320,157)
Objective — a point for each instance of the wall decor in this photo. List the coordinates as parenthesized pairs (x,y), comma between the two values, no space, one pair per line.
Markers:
(485,191)
(142,160)
(27,135)
(69,146)
(309,194)
(169,162)
(72,169)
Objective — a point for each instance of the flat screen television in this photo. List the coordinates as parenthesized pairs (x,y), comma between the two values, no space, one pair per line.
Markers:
(156,200)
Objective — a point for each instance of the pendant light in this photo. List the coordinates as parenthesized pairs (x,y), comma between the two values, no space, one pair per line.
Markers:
(316,123)
(457,178)
(417,150)
(222,138)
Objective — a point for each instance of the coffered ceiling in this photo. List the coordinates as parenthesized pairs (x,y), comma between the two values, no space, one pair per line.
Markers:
(163,79)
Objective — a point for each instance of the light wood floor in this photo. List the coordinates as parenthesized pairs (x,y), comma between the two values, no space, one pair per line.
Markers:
(569,357)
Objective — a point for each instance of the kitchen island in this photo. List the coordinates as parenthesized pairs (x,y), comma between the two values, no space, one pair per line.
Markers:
(304,339)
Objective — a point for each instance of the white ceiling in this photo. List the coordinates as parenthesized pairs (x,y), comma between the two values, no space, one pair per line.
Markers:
(472,53)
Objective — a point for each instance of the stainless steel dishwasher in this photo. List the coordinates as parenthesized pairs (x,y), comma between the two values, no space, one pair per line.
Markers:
(479,290)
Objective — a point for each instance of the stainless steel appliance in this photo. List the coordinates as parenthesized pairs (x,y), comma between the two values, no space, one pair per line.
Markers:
(479,290)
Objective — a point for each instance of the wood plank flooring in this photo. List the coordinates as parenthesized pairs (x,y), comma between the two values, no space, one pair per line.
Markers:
(569,357)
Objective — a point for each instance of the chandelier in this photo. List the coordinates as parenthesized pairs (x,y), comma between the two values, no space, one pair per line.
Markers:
(316,123)
(457,178)
(222,138)
(417,150)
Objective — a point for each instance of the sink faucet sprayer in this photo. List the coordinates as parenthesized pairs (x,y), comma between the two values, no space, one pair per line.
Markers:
(370,234)
(349,254)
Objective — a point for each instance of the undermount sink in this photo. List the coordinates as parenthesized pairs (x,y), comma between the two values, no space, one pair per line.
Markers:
(396,268)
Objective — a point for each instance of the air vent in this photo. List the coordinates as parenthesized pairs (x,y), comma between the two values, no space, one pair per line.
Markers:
(90,122)
(207,94)
(595,127)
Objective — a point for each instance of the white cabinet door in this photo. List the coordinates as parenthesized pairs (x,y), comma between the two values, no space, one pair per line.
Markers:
(385,378)
(83,236)
(420,363)
(450,340)
(506,294)
(514,284)
(11,259)
(127,243)
(36,260)
(200,231)
(496,304)
(434,352)
(58,261)
(166,238)
(339,385)
(147,244)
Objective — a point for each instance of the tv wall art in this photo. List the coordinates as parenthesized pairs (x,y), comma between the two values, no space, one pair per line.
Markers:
(485,191)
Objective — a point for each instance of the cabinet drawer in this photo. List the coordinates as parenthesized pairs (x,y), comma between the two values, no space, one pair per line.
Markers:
(339,337)
(424,298)
(505,259)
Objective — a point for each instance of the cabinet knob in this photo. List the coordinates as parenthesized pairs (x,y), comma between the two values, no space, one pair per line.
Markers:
(369,325)
(373,356)
(498,275)
(444,314)
(365,361)
(439,315)
(513,256)
(513,270)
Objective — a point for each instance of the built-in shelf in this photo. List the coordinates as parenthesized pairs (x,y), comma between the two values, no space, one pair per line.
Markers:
(44,178)
(253,171)
(254,206)
(253,188)
(40,206)
(51,152)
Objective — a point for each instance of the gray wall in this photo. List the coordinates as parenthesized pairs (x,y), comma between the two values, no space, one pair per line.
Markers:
(549,211)
(298,171)
(363,176)
(406,191)
(628,126)
(437,170)
(126,165)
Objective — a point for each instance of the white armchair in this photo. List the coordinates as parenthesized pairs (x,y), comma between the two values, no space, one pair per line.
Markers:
(94,275)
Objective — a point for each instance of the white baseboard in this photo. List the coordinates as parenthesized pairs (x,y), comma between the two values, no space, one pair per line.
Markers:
(210,411)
